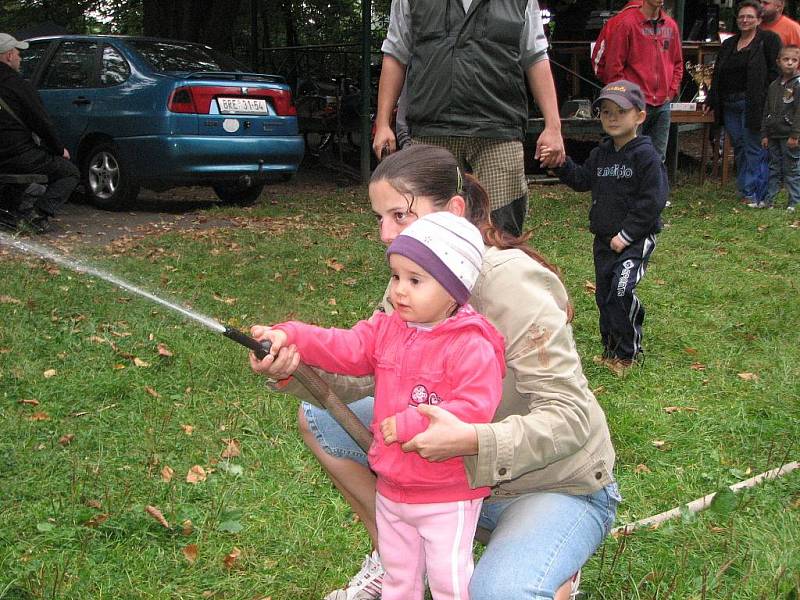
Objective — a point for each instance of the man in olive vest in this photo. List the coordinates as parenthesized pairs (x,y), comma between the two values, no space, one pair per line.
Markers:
(467,66)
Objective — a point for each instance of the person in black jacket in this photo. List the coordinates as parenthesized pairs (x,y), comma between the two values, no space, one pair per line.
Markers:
(629,189)
(22,115)
(746,64)
(780,130)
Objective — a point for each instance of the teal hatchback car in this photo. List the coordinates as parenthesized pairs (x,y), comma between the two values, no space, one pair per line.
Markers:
(157,113)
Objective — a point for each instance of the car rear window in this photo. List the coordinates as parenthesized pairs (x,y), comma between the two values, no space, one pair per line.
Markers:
(166,57)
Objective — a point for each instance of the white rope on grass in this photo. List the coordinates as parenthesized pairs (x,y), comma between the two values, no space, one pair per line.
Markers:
(704,502)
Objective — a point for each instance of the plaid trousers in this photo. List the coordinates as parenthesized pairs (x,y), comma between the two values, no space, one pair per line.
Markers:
(498,164)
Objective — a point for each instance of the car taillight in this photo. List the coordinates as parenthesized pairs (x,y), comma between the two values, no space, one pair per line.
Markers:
(282,101)
(182,101)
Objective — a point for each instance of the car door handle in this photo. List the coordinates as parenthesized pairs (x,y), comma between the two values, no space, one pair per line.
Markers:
(81,100)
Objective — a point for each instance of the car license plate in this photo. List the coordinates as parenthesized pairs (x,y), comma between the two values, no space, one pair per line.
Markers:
(235,106)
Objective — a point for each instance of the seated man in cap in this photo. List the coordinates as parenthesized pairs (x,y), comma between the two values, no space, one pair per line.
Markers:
(28,140)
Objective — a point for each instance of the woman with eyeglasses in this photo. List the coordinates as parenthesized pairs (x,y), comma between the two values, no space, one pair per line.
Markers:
(745,66)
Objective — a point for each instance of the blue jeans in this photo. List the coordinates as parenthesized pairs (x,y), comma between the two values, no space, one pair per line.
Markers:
(750,158)
(539,540)
(656,125)
(784,167)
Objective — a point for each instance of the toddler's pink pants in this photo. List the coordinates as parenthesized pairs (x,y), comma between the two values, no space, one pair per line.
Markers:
(435,538)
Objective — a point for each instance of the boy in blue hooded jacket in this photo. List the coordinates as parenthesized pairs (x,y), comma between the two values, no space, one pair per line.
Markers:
(629,189)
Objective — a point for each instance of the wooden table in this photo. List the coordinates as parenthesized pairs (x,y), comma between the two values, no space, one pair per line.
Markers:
(680,117)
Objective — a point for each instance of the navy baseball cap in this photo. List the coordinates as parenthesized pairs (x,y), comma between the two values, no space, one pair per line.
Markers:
(623,93)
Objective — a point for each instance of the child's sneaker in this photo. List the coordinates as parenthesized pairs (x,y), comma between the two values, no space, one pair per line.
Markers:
(366,584)
(618,366)
(790,208)
(756,204)
(574,590)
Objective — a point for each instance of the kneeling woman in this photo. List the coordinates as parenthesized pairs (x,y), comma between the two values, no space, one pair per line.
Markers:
(547,455)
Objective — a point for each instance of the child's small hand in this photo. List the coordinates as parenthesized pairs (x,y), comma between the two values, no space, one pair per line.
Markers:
(272,365)
(765,143)
(618,244)
(793,142)
(544,153)
(389,430)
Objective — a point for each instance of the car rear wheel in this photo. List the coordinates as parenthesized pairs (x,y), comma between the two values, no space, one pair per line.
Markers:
(236,193)
(108,183)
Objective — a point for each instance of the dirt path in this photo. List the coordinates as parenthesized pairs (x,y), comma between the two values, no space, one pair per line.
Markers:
(79,223)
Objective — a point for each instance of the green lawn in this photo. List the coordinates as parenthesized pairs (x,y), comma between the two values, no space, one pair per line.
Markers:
(140,389)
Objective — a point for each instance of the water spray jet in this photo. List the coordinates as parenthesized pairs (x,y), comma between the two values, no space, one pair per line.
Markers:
(304,374)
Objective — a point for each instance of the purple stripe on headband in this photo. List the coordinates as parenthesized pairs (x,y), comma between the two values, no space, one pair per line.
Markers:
(413,249)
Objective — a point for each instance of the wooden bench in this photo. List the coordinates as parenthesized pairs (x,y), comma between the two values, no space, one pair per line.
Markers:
(22,179)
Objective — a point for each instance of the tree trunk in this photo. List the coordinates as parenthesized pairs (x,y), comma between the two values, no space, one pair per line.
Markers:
(205,21)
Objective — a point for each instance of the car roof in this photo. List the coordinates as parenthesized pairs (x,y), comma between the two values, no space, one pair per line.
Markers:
(103,36)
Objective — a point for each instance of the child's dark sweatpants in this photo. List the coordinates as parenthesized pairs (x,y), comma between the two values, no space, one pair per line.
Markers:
(621,312)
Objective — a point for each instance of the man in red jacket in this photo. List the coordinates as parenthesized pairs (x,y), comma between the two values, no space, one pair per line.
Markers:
(643,45)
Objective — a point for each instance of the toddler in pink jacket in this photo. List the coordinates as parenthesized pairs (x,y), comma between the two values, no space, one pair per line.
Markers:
(433,349)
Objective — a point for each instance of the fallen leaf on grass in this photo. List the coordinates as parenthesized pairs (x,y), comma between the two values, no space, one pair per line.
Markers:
(190,552)
(659,443)
(157,515)
(39,416)
(673,409)
(589,287)
(93,504)
(140,363)
(696,366)
(187,527)
(188,429)
(748,376)
(163,350)
(9,300)
(166,473)
(231,449)
(29,401)
(152,392)
(49,373)
(231,557)
(66,439)
(350,281)
(332,301)
(97,520)
(196,474)
(642,468)
(334,264)
(118,366)
(229,301)
(690,350)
